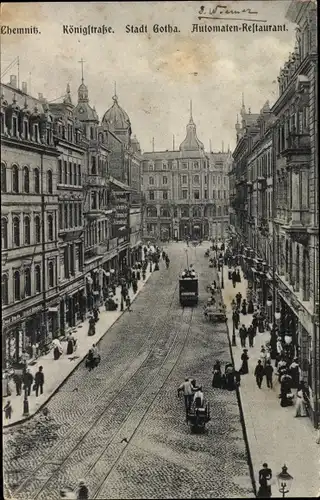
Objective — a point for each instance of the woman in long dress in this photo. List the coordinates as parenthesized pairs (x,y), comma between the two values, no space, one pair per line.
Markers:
(71,343)
(301,410)
(57,349)
(244,366)
(216,381)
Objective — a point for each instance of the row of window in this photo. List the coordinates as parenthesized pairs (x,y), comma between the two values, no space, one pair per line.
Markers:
(25,129)
(95,233)
(16,186)
(195,179)
(69,173)
(186,212)
(219,194)
(26,283)
(159,165)
(70,215)
(29,235)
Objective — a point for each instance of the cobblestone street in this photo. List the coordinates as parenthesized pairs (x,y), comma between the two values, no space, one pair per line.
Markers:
(133,394)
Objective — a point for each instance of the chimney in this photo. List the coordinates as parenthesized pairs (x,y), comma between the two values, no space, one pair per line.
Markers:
(13,81)
(24,87)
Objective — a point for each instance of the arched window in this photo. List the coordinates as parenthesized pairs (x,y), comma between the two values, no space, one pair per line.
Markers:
(37,279)
(51,274)
(196,212)
(27,282)
(26,180)
(16,285)
(4,233)
(185,212)
(4,290)
(49,181)
(26,230)
(36,181)
(152,212)
(37,229)
(15,179)
(50,227)
(164,212)
(3,178)
(16,231)
(151,180)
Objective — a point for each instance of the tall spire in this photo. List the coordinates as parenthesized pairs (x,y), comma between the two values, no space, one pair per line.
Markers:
(243,108)
(191,117)
(82,62)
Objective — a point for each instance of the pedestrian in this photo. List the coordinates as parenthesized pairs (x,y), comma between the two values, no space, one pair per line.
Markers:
(234,278)
(263,356)
(258,373)
(238,276)
(243,335)
(57,349)
(216,380)
(39,381)
(128,303)
(244,307)
(236,318)
(96,314)
(238,299)
(301,401)
(134,286)
(269,372)
(83,492)
(250,306)
(229,374)
(244,366)
(286,395)
(71,344)
(92,326)
(27,381)
(8,412)
(17,378)
(188,391)
(251,335)
(295,373)
(265,476)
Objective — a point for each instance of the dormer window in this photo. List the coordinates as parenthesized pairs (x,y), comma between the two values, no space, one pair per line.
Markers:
(36,132)
(26,129)
(14,126)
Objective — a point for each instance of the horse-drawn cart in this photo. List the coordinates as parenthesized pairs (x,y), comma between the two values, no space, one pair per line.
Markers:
(198,417)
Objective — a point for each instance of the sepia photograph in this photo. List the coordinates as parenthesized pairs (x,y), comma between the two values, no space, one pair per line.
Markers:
(160,250)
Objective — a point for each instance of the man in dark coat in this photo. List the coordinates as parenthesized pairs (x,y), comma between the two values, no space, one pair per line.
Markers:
(269,371)
(258,373)
(39,380)
(236,318)
(238,299)
(17,378)
(243,335)
(27,381)
(251,335)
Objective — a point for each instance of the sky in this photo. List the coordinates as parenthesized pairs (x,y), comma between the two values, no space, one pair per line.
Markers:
(156,75)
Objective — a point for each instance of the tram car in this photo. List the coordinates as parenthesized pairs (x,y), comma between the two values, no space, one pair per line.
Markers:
(188,288)
(198,417)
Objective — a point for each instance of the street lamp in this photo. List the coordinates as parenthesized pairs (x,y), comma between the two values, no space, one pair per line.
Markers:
(284,481)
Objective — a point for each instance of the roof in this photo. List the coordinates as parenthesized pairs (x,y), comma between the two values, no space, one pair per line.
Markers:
(116,117)
(21,98)
(191,142)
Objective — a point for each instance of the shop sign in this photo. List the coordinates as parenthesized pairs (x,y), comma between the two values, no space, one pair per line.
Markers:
(121,217)
(12,319)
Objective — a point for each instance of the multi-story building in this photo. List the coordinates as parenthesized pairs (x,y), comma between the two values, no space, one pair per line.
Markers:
(29,221)
(183,197)
(276,182)
(72,147)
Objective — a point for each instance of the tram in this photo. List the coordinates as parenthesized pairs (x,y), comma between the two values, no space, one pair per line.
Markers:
(188,289)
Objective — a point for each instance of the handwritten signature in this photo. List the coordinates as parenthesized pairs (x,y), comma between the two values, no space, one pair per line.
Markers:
(222,10)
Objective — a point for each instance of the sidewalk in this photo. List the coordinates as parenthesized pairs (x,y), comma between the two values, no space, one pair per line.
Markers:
(274,435)
(56,372)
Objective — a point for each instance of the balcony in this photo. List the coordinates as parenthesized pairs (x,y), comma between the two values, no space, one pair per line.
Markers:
(297,148)
(94,213)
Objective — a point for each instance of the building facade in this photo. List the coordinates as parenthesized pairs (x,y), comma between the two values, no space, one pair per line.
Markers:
(186,191)
(71,212)
(275,181)
(29,221)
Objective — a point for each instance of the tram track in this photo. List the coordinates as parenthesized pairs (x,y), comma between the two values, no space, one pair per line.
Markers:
(54,464)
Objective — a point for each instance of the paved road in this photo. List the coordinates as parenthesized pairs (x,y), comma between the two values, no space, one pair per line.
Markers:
(132,395)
